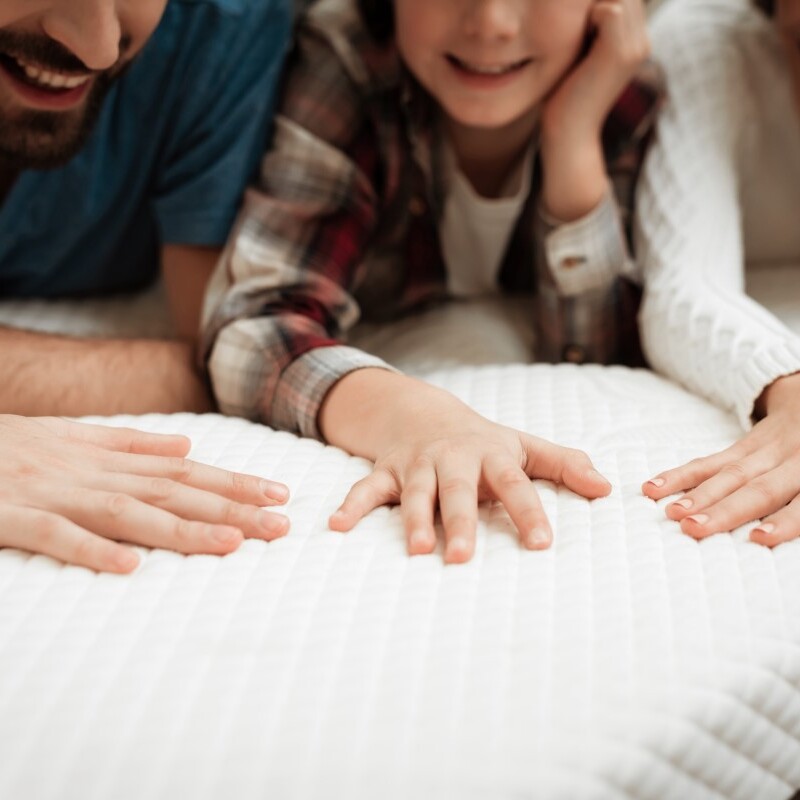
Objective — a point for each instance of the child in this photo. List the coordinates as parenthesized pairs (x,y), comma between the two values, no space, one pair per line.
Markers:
(427,149)
(727,152)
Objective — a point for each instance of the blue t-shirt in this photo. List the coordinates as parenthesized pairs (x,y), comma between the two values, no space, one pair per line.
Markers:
(179,136)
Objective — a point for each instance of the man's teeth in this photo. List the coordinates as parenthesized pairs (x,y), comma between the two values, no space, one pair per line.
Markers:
(52,80)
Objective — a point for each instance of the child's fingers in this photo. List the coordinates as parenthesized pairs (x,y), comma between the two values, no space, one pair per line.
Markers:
(418,508)
(513,488)
(564,465)
(377,489)
(457,476)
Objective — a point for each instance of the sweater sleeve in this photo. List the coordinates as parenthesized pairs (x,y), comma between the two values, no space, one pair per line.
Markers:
(698,326)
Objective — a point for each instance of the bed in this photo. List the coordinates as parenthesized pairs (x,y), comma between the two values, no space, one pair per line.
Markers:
(629,661)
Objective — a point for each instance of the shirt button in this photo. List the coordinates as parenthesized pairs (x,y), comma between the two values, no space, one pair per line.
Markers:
(417,206)
(570,262)
(574,354)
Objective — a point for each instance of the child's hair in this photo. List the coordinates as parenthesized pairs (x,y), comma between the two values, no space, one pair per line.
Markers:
(767,6)
(378,16)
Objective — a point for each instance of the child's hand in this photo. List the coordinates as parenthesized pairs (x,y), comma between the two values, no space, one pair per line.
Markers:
(757,478)
(452,458)
(74,491)
(580,104)
(573,116)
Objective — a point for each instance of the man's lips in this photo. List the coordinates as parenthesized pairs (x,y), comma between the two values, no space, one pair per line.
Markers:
(44,88)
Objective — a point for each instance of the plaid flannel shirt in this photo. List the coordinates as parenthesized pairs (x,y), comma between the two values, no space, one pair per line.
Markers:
(343,225)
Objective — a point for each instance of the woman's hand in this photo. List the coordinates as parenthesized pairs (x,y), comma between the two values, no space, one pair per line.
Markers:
(450,458)
(73,491)
(757,478)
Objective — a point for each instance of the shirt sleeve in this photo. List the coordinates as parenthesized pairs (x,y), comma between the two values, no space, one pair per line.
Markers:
(229,69)
(281,300)
(697,324)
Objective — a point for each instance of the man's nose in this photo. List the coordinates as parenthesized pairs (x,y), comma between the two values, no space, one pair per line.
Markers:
(89,29)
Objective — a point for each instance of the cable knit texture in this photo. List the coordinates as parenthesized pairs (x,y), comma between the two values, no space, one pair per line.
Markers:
(722,60)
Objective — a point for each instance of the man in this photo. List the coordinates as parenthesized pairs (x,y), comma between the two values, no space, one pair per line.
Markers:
(128,131)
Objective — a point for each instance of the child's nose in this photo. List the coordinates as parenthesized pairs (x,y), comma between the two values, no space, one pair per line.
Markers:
(492,19)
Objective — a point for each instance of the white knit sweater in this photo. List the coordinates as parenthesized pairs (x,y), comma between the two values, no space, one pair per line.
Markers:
(719,166)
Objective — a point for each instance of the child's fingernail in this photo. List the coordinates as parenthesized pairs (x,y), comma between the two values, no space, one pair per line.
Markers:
(598,476)
(684,502)
(538,538)
(418,540)
(767,528)
(699,519)
(657,482)
(458,547)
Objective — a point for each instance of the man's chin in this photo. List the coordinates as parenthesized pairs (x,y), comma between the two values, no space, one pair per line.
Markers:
(44,140)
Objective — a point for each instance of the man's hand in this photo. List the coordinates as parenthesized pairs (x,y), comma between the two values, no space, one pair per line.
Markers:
(757,478)
(573,115)
(73,491)
(432,451)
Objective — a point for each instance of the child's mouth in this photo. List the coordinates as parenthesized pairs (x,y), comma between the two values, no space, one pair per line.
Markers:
(487,70)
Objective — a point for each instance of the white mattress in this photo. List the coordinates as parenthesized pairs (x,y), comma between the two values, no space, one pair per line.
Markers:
(627,662)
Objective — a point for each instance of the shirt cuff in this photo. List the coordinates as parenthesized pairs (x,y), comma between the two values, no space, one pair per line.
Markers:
(590,252)
(305,383)
(760,370)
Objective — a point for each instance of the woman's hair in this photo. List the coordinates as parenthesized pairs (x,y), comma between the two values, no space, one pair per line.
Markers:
(378,16)
(767,6)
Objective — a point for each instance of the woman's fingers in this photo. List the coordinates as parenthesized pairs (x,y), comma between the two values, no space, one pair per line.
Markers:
(691,474)
(778,528)
(40,531)
(764,495)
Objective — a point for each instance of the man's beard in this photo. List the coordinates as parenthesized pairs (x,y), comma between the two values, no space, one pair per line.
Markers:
(32,139)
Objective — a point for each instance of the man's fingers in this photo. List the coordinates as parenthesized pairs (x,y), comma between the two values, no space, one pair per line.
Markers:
(457,476)
(124,440)
(377,489)
(233,485)
(51,534)
(118,516)
(513,488)
(418,508)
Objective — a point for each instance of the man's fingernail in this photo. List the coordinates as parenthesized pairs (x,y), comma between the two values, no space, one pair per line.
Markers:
(657,482)
(538,538)
(684,502)
(699,519)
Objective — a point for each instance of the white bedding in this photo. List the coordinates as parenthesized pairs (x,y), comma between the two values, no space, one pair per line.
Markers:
(627,662)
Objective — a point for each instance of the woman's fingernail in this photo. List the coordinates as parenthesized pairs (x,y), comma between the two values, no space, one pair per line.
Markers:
(126,560)
(457,547)
(699,519)
(538,538)
(767,528)
(226,534)
(273,523)
(598,476)
(657,482)
(684,502)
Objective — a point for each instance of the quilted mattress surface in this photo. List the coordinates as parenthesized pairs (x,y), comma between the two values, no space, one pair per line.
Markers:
(627,662)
